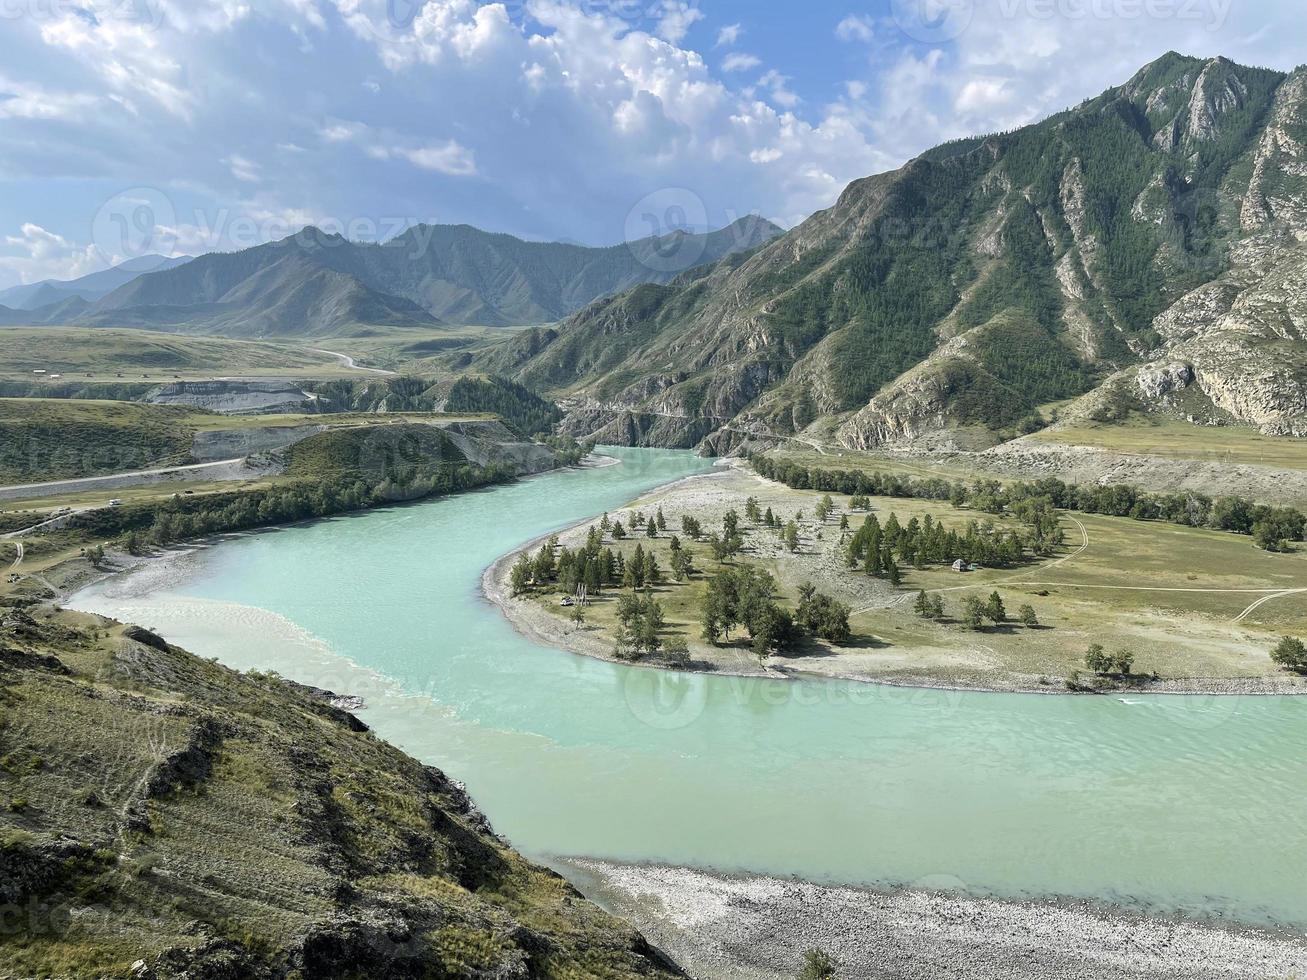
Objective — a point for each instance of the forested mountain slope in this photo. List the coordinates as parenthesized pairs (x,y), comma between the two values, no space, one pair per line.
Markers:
(1148,246)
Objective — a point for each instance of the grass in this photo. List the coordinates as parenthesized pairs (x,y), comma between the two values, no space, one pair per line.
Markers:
(420,352)
(1123,590)
(45,439)
(97,356)
(1183,440)
(51,439)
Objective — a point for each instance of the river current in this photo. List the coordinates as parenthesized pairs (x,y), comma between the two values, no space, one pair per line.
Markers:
(1195,805)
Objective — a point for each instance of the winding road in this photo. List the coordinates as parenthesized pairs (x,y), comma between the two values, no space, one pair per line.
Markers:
(349,362)
(111,481)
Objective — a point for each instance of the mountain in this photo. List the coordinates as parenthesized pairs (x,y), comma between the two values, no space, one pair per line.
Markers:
(466,276)
(319,284)
(1144,251)
(91,287)
(284,288)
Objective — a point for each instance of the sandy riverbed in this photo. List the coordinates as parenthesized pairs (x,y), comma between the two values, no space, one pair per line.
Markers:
(757,928)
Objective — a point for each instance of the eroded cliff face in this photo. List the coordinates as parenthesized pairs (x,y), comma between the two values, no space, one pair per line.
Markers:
(234,397)
(491,443)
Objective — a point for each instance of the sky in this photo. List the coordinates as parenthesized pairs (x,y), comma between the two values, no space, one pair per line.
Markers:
(130,127)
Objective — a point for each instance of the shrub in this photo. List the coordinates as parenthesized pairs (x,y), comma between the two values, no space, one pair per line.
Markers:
(1291,654)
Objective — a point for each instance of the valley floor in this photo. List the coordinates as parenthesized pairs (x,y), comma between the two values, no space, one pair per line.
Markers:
(758,928)
(1200,609)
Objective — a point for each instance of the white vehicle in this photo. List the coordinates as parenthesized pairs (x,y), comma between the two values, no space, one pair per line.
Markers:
(116,502)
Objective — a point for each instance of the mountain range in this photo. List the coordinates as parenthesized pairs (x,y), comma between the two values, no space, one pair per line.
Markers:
(1145,251)
(52,292)
(317,284)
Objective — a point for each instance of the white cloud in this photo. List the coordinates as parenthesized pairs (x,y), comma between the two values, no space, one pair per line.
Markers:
(40,254)
(20,100)
(729,35)
(242,168)
(738,61)
(778,85)
(447,158)
(676,19)
(855,28)
(982,95)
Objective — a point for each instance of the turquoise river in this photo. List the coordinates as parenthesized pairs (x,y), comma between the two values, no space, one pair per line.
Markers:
(1169,804)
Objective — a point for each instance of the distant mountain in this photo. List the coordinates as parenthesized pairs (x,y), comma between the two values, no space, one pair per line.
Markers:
(285,288)
(1145,251)
(48,292)
(316,284)
(463,275)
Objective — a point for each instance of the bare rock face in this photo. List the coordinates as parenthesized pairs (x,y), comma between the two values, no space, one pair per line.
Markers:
(1156,381)
(1276,192)
(235,397)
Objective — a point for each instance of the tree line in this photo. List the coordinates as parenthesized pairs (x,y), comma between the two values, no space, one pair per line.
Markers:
(1271,528)
(158,523)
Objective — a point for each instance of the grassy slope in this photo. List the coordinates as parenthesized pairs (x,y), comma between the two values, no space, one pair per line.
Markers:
(1174,438)
(55,439)
(52,439)
(156,801)
(129,355)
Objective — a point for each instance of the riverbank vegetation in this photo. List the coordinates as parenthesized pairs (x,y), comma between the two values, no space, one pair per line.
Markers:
(1271,528)
(938,590)
(333,472)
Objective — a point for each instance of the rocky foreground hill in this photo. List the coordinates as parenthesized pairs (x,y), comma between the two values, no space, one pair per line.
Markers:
(167,817)
(1146,250)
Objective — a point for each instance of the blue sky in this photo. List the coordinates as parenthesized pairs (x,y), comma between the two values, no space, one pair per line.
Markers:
(190,125)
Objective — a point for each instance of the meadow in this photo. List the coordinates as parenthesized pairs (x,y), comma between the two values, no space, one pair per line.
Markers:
(1191,604)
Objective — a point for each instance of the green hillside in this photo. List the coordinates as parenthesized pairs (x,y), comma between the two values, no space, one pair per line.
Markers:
(163,808)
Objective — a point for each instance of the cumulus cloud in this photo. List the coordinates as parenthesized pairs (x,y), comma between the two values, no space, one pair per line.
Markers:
(676,19)
(37,254)
(546,118)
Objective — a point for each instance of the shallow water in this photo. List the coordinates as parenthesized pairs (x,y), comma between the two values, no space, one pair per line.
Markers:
(1196,805)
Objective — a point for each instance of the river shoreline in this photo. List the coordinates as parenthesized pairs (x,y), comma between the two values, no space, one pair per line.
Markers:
(534,622)
(752,927)
(918,933)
